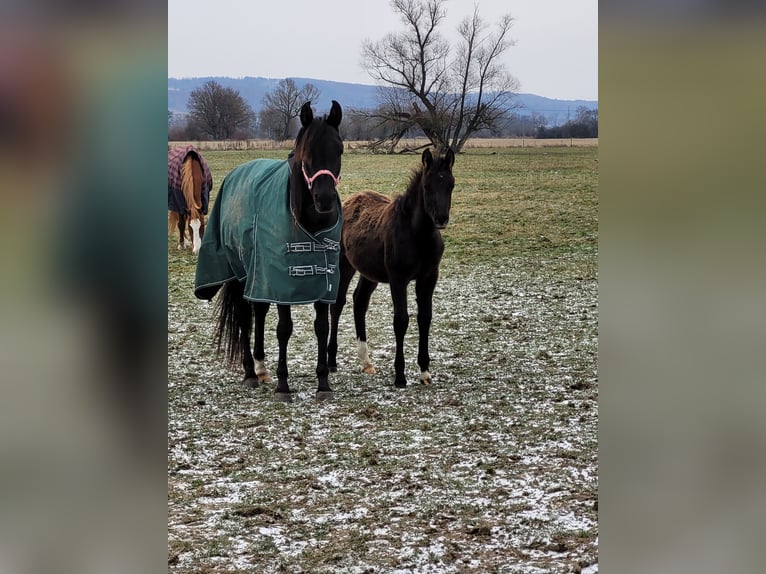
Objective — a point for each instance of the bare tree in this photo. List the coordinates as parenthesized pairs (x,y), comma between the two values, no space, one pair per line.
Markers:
(282,105)
(219,112)
(448,99)
(392,119)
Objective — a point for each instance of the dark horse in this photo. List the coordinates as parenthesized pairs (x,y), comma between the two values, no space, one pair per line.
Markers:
(189,185)
(274,237)
(395,241)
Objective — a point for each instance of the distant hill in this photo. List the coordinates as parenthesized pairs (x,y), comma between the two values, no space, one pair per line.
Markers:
(359,96)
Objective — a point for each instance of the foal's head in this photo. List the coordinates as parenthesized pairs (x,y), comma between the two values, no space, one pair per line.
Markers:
(437,183)
(318,149)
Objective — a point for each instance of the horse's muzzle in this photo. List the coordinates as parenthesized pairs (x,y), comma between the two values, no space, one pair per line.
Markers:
(324,206)
(441,224)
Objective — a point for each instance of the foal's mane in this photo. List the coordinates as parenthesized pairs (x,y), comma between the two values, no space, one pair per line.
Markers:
(402,200)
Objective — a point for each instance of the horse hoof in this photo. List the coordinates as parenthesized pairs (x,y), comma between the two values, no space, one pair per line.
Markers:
(283,397)
(400,384)
(251,382)
(369,370)
(325,395)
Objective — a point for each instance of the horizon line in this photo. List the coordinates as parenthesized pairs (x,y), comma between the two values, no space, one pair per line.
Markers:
(358,84)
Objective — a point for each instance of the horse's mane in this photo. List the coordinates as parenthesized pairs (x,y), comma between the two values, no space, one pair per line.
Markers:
(402,200)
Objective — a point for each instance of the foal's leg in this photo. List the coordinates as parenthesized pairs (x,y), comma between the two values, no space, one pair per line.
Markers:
(284,331)
(424,292)
(346,274)
(401,320)
(322,328)
(362,294)
(261,372)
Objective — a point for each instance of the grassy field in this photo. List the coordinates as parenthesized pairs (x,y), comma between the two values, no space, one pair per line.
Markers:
(492,469)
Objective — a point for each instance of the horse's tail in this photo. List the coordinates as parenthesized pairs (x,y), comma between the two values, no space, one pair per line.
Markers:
(191,185)
(234,321)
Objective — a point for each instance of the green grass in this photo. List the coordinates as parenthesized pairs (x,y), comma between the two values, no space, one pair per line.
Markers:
(507,201)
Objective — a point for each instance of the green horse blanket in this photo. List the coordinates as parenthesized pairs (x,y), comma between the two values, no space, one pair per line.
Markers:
(253,236)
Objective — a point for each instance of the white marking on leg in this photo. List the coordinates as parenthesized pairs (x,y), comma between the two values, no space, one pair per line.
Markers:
(262,372)
(364,356)
(425,377)
(197,241)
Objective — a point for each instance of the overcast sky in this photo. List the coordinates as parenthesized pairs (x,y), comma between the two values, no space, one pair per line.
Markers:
(555,52)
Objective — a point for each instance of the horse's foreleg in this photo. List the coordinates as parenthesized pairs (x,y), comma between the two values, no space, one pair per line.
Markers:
(401,320)
(424,292)
(262,374)
(322,328)
(284,331)
(362,294)
(346,274)
(195,224)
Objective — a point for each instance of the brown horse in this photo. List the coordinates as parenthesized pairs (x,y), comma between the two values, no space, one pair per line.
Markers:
(395,241)
(189,185)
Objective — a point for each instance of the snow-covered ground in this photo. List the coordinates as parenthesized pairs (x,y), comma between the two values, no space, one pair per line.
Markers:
(493,468)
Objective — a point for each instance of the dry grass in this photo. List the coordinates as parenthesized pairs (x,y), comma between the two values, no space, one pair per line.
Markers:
(405,144)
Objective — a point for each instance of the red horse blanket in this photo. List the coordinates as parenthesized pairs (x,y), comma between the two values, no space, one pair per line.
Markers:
(176,201)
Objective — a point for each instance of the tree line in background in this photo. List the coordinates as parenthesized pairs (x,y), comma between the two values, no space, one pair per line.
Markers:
(427,88)
(218,113)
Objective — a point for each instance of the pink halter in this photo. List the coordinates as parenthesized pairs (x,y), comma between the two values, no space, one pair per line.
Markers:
(310,180)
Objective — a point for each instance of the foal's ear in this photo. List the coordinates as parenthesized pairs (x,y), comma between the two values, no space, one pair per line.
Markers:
(307,116)
(449,158)
(335,115)
(427,158)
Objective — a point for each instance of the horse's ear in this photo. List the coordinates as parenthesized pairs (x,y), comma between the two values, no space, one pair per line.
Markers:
(449,158)
(335,115)
(427,158)
(307,116)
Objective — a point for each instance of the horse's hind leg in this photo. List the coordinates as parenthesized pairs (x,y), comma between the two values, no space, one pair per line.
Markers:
(321,328)
(284,331)
(181,231)
(346,274)
(362,294)
(244,318)
(260,374)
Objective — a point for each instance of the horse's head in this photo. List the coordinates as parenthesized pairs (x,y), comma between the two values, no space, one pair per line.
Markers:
(438,182)
(318,149)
